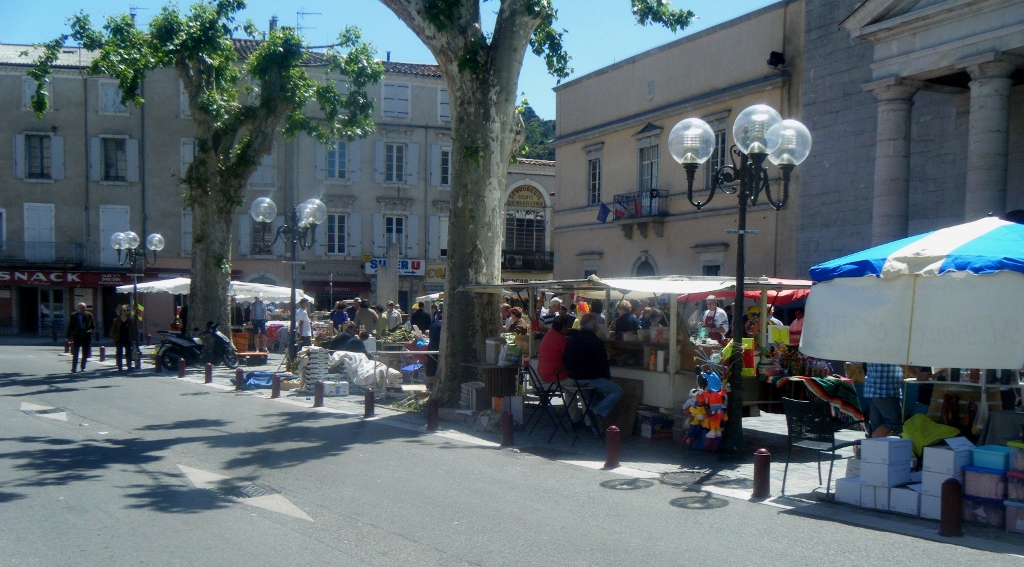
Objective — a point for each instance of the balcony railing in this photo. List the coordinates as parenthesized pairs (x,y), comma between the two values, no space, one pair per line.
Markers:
(638,205)
(13,252)
(527,260)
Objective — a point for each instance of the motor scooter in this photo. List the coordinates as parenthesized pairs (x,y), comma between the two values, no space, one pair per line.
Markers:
(178,346)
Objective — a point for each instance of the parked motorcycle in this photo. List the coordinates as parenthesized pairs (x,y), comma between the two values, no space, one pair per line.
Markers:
(178,346)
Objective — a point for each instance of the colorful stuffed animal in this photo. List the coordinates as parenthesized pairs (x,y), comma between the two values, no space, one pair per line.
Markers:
(714,399)
(696,414)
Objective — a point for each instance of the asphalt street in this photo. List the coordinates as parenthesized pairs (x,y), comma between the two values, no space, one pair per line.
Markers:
(101,468)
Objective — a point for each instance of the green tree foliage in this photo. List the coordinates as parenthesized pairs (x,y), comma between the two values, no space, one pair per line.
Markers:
(539,133)
(241,94)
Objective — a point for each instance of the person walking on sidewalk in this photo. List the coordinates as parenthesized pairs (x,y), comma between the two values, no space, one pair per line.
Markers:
(302,321)
(122,330)
(258,312)
(80,329)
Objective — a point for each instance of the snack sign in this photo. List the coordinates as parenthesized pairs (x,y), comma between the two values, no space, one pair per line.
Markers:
(405,267)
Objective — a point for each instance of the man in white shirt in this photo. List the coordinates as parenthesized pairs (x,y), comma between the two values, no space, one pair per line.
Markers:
(394,317)
(305,331)
(715,320)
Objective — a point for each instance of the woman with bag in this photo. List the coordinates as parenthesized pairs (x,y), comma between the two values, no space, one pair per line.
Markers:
(122,330)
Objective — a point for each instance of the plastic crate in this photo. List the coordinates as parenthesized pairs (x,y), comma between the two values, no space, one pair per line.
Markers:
(984,483)
(1014,516)
(1015,486)
(984,512)
(991,457)
(1016,456)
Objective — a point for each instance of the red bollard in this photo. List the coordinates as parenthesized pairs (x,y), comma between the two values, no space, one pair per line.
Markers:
(239,379)
(67,347)
(506,429)
(149,340)
(275,387)
(318,394)
(368,402)
(181,368)
(762,474)
(432,414)
(612,445)
(157,366)
(951,515)
(209,373)
(103,353)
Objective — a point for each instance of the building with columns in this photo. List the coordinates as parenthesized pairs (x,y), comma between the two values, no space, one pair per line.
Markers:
(915,108)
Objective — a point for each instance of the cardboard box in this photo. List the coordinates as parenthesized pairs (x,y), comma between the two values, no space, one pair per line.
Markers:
(853,466)
(906,499)
(655,426)
(944,460)
(876,497)
(931,506)
(333,388)
(886,450)
(884,474)
(931,483)
(848,490)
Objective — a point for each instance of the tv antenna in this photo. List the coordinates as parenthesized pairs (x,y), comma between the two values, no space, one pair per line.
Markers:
(132,9)
(298,21)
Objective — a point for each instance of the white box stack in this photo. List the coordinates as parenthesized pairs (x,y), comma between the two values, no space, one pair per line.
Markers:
(906,499)
(885,462)
(876,497)
(931,507)
(319,363)
(848,490)
(941,463)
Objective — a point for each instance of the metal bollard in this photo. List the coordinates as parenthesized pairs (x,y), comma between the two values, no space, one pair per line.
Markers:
(239,379)
(138,361)
(506,429)
(275,387)
(432,414)
(67,347)
(103,353)
(762,474)
(181,368)
(368,402)
(157,366)
(951,516)
(149,340)
(612,445)
(318,394)
(209,373)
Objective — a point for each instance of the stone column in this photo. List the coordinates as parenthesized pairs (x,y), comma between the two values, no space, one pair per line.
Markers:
(892,162)
(987,139)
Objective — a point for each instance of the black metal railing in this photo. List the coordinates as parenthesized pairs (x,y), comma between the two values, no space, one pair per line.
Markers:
(13,252)
(527,260)
(638,204)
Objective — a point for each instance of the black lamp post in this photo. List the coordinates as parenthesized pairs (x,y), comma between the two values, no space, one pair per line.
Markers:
(128,243)
(759,133)
(300,232)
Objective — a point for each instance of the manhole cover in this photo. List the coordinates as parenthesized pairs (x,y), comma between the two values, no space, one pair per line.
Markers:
(243,491)
(689,477)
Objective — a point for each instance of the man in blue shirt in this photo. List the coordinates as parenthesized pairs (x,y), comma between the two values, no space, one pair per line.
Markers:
(883,388)
(258,314)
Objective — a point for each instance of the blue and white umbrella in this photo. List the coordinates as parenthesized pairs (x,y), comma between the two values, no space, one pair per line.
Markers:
(949,298)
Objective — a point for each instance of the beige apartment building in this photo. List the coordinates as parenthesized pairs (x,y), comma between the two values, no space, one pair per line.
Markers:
(612,150)
(92,167)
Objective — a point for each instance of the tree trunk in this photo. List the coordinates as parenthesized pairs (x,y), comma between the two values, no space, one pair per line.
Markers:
(213,225)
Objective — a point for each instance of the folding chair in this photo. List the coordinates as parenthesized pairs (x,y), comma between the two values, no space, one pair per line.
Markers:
(810,425)
(585,395)
(545,391)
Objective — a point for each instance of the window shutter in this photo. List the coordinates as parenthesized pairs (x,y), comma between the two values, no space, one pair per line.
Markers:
(412,165)
(435,165)
(442,236)
(57,157)
(186,232)
(188,154)
(412,236)
(320,162)
(433,236)
(95,159)
(244,234)
(278,248)
(354,238)
(131,150)
(378,162)
(19,156)
(378,236)
(354,161)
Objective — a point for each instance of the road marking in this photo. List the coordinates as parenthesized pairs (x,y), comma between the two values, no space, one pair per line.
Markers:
(44,411)
(251,494)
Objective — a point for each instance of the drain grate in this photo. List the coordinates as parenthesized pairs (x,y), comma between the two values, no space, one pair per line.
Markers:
(243,491)
(47,411)
(694,476)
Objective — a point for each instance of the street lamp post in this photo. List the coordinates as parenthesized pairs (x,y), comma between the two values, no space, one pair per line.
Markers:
(759,133)
(300,232)
(128,243)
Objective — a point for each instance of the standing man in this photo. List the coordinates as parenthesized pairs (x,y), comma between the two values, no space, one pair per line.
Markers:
(258,311)
(366,318)
(883,388)
(122,331)
(351,311)
(715,320)
(80,329)
(394,317)
(586,360)
(302,322)
(506,316)
(420,318)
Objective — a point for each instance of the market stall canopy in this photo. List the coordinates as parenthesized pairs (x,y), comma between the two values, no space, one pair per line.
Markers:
(928,300)
(432,298)
(777,297)
(180,286)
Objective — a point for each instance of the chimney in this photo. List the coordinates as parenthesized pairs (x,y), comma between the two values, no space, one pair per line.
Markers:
(273,23)
(389,57)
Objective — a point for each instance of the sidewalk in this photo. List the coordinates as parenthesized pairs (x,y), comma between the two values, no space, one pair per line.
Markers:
(641,460)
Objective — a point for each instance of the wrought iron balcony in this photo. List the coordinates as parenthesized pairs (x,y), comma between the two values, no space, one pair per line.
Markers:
(639,204)
(15,253)
(537,261)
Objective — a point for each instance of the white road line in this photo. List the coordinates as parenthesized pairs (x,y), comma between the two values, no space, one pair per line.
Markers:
(273,502)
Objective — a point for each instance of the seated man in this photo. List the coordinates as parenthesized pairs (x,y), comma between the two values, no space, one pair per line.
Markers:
(586,360)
